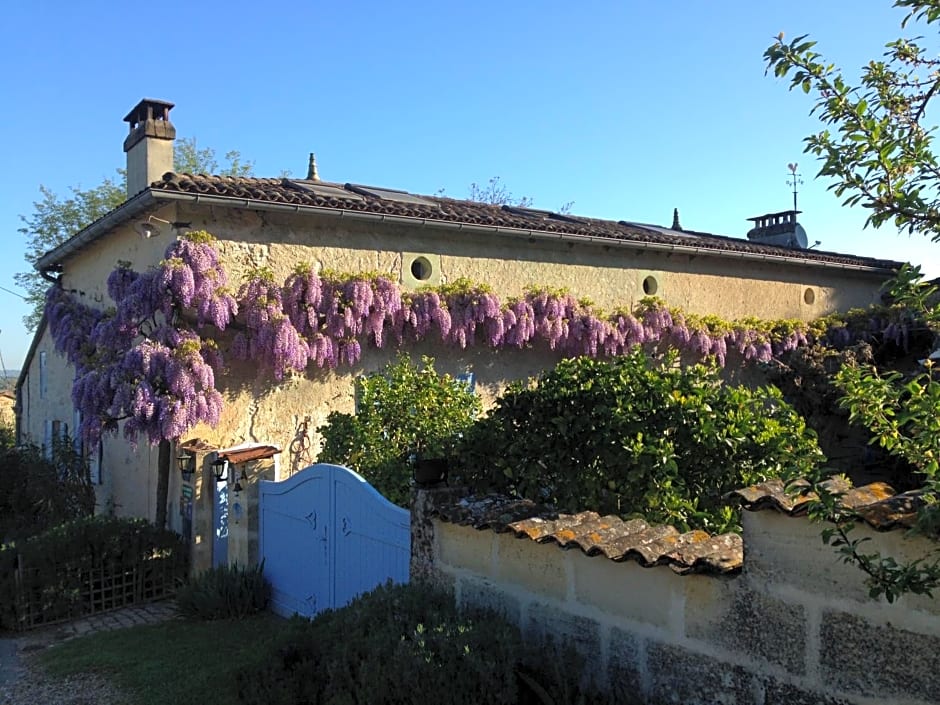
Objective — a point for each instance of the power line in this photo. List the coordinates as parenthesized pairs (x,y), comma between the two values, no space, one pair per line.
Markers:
(15,293)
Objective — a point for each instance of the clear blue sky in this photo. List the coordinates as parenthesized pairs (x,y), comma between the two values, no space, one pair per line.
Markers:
(629,109)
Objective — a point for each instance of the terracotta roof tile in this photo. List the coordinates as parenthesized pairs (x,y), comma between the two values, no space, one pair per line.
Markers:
(435,208)
(609,536)
(876,503)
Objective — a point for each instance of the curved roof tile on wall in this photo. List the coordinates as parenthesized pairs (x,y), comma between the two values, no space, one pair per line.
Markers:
(659,545)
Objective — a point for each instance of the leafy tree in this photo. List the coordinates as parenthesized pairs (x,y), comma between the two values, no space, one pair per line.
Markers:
(877,147)
(55,218)
(877,144)
(39,492)
(53,221)
(496,193)
(404,410)
(188,158)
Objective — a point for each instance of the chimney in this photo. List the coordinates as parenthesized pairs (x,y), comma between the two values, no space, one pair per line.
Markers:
(149,145)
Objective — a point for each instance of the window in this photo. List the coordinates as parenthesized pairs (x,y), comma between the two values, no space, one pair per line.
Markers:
(43,381)
(94,464)
(47,439)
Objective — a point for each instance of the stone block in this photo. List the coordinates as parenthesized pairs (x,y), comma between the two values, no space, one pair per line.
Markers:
(627,590)
(751,623)
(539,568)
(544,621)
(465,547)
(624,677)
(778,692)
(482,594)
(878,660)
(678,676)
(785,550)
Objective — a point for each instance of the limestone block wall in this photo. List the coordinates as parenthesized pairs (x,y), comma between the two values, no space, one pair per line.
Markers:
(795,626)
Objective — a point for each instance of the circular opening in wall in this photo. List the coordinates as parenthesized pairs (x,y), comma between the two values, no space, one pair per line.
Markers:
(650,286)
(809,296)
(421,268)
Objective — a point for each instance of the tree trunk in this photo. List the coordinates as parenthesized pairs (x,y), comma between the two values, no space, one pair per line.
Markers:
(163,483)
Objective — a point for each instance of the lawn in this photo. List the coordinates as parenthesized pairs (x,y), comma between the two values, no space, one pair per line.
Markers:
(172,662)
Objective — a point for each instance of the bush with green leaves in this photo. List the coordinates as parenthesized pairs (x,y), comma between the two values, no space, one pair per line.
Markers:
(224,592)
(55,574)
(637,436)
(902,411)
(37,493)
(403,411)
(397,644)
(409,644)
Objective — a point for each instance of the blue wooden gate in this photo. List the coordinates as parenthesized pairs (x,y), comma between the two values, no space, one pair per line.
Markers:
(326,536)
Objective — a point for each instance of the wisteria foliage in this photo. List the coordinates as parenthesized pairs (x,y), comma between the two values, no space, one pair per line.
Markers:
(152,361)
(142,362)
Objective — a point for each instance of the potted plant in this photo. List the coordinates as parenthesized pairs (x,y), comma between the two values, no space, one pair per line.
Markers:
(430,461)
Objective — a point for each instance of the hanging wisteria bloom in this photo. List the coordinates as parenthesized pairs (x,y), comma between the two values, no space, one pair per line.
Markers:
(154,359)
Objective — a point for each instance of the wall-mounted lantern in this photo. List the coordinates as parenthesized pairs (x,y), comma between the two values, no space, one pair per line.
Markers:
(220,469)
(186,463)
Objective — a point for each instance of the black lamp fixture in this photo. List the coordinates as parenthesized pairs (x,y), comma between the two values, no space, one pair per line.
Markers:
(220,469)
(237,487)
(186,464)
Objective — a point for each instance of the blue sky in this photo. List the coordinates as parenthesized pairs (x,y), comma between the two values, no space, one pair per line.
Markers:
(628,109)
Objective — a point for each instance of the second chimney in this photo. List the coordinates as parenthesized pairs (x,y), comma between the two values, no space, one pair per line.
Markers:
(149,145)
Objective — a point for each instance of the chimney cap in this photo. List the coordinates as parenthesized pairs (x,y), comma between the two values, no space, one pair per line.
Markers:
(148,109)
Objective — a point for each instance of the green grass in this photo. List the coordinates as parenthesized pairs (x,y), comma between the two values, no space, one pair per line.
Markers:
(172,662)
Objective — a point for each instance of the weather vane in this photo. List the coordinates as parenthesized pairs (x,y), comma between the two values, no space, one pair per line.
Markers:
(793,181)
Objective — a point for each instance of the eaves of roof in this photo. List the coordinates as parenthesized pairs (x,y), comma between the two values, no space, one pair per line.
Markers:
(347,201)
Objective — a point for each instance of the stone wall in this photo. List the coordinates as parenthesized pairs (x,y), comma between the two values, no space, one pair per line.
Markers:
(795,626)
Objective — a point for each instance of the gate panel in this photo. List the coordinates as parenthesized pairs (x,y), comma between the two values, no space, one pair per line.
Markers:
(373,539)
(294,541)
(326,536)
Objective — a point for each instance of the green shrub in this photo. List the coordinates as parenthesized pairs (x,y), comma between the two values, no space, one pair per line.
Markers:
(64,568)
(225,592)
(37,493)
(409,644)
(403,410)
(398,644)
(634,436)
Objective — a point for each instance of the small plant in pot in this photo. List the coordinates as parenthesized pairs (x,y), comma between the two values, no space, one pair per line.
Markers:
(430,463)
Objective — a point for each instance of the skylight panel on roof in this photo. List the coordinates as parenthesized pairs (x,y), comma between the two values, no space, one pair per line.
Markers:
(388,194)
(659,229)
(319,188)
(541,214)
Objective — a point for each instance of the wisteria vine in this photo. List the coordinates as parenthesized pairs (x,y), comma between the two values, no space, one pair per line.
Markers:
(152,361)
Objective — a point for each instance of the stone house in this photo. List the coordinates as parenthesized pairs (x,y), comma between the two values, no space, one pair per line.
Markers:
(415,240)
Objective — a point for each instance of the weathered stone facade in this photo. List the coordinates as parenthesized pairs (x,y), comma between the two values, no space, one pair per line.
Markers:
(261,410)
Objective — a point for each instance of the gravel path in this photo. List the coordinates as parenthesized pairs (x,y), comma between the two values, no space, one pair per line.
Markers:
(23,682)
(33,687)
